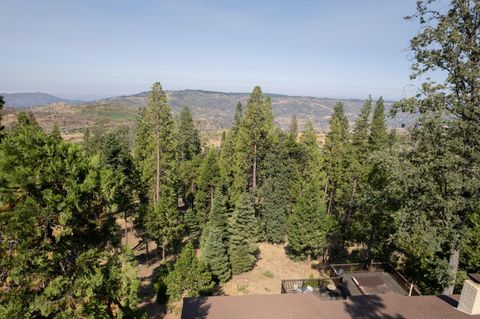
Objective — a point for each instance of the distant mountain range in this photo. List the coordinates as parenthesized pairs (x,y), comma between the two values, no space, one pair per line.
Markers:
(21,100)
(213,111)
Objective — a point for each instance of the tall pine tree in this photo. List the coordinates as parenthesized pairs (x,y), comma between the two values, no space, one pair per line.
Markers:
(378,138)
(228,147)
(361,131)
(337,153)
(274,205)
(243,232)
(209,178)
(215,240)
(253,142)
(188,138)
(341,186)
(157,154)
(309,226)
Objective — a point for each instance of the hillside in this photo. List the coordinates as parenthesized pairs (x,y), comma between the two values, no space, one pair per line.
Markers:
(213,111)
(22,100)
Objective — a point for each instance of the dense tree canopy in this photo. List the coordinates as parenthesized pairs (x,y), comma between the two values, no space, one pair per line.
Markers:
(58,231)
(447,134)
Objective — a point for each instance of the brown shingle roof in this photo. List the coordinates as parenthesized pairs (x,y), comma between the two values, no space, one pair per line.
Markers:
(292,306)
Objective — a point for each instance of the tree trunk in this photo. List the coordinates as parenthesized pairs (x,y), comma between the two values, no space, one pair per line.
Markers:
(157,188)
(146,250)
(126,228)
(371,241)
(164,244)
(330,200)
(211,198)
(192,198)
(349,215)
(453,268)
(254,182)
(350,210)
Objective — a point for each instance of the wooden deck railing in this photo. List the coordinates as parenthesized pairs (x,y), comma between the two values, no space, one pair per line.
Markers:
(297,285)
(335,274)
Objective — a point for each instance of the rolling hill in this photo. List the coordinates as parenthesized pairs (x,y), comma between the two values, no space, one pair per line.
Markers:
(213,111)
(23,100)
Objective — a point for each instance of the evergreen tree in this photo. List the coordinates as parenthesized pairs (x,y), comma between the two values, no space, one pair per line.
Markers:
(378,138)
(26,118)
(164,223)
(309,227)
(434,196)
(450,45)
(163,137)
(392,139)
(293,127)
(192,224)
(253,141)
(372,224)
(56,131)
(189,171)
(215,244)
(59,253)
(143,162)
(159,282)
(242,235)
(156,153)
(190,277)
(2,103)
(274,209)
(93,140)
(227,154)
(339,163)
(337,152)
(237,118)
(361,131)
(377,200)
(274,194)
(295,163)
(311,156)
(189,141)
(115,153)
(470,257)
(207,181)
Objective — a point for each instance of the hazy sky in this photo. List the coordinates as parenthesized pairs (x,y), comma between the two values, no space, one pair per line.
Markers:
(97,48)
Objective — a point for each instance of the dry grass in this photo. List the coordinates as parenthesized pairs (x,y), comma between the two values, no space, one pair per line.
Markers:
(265,278)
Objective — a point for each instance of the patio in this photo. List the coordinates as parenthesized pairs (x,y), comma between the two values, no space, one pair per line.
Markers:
(353,280)
(371,279)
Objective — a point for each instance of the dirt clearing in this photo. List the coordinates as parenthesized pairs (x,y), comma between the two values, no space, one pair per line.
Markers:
(272,266)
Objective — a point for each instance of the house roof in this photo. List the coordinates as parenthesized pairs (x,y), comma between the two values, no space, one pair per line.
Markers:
(289,306)
(475,277)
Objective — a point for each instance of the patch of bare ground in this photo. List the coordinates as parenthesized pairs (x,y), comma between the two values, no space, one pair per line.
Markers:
(146,270)
(272,266)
